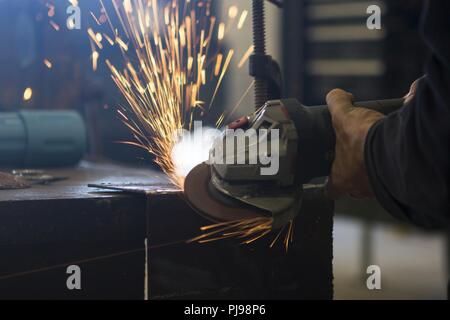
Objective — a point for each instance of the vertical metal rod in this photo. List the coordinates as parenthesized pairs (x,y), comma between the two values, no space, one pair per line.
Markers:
(259,43)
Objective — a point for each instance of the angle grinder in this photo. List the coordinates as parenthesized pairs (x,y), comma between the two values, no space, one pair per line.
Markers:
(237,190)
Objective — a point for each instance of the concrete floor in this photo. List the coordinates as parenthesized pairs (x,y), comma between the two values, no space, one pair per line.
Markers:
(413,263)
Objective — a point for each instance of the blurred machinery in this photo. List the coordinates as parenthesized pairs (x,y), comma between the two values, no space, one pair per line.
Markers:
(332,46)
(41,138)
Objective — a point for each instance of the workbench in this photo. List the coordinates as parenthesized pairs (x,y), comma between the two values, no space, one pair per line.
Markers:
(46,228)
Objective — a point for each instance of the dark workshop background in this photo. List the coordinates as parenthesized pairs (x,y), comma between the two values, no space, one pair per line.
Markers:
(320,45)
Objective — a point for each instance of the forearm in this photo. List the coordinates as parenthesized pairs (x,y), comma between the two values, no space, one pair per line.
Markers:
(407,153)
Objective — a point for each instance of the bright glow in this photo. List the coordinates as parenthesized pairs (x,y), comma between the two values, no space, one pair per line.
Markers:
(48,63)
(192,149)
(99,37)
(242,19)
(95,56)
(233,12)
(27,94)
(247,55)
(221,32)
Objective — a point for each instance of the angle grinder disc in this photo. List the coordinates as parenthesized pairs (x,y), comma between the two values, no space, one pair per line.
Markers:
(203,198)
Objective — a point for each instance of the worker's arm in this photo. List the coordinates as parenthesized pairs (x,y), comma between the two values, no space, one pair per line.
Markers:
(401,159)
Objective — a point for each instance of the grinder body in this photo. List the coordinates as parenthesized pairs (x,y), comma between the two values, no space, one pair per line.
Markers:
(232,191)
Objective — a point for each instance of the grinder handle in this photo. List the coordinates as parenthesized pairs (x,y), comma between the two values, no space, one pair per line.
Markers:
(383,106)
(316,136)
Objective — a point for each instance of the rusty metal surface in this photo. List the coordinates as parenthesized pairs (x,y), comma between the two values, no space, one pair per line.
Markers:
(47,227)
(76,186)
(10,182)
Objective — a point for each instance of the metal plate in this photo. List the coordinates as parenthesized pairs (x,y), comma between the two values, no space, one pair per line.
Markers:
(139,188)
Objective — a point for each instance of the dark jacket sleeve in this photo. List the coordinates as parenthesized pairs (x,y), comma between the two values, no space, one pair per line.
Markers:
(407,153)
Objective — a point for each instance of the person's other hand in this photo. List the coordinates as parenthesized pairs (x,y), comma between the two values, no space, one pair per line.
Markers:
(351,124)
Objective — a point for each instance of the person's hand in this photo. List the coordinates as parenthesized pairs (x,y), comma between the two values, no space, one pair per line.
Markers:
(351,124)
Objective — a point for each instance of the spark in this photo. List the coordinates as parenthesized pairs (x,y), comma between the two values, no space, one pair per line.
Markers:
(218,64)
(94,38)
(226,115)
(245,57)
(99,37)
(168,59)
(27,94)
(289,235)
(221,33)
(127,6)
(242,19)
(95,56)
(122,44)
(48,63)
(110,41)
(248,230)
(54,25)
(233,12)
(95,18)
(123,115)
(224,70)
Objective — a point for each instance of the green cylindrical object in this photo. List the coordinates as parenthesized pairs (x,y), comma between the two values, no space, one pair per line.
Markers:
(41,138)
